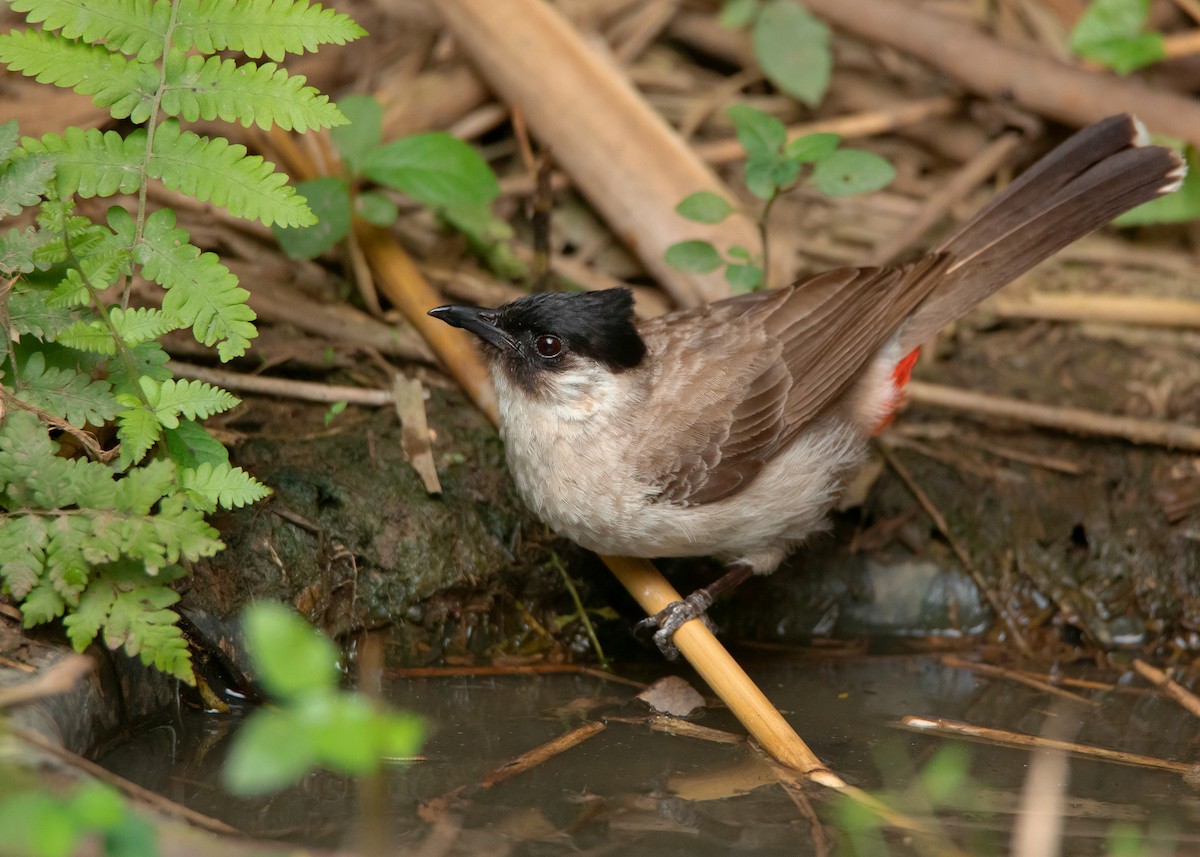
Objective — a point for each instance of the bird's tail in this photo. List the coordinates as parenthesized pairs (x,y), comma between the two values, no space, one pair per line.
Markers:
(1099,173)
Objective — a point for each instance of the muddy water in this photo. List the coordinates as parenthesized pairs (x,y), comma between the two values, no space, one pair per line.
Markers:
(634,791)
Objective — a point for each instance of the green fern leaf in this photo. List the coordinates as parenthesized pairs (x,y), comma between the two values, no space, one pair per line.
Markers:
(145,360)
(213,169)
(8,140)
(211,88)
(23,540)
(138,429)
(195,400)
(190,445)
(91,163)
(23,182)
(126,87)
(18,248)
(201,292)
(134,27)
(28,313)
(182,532)
(90,613)
(142,487)
(140,622)
(66,569)
(75,397)
(143,324)
(222,484)
(42,604)
(261,27)
(91,336)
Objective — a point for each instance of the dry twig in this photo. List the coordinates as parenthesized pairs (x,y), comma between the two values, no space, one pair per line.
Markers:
(1169,686)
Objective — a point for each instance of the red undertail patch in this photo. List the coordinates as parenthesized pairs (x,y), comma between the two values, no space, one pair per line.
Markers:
(900,376)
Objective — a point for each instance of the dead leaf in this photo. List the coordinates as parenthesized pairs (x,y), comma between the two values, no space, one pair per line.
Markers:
(414,434)
(672,695)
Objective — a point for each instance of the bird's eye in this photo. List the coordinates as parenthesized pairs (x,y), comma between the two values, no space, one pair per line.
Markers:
(548,346)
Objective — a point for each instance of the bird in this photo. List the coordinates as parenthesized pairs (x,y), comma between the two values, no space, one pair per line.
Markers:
(730,429)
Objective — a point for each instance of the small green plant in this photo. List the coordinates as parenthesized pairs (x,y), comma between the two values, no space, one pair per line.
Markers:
(774,166)
(790,44)
(106,472)
(1113,33)
(39,823)
(313,724)
(434,169)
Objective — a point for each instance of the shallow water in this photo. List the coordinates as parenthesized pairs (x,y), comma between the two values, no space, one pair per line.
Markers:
(635,791)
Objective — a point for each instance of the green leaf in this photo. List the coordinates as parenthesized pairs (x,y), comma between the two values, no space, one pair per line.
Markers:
(9,134)
(766,175)
(376,208)
(23,541)
(792,47)
(139,325)
(213,169)
(1178,207)
(736,14)
(271,28)
(201,292)
(28,313)
(92,336)
(758,132)
(434,168)
(329,200)
(24,181)
(126,87)
(133,27)
(848,171)
(269,752)
(138,429)
(42,604)
(737,251)
(363,131)
(693,257)
(189,445)
(293,658)
(17,249)
(704,207)
(192,399)
(1110,32)
(811,147)
(91,163)
(71,395)
(743,278)
(222,485)
(199,87)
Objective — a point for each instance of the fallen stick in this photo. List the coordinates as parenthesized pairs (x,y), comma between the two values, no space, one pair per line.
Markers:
(308,391)
(1102,309)
(980,62)
(1023,741)
(1071,420)
(1167,685)
(1011,675)
(542,753)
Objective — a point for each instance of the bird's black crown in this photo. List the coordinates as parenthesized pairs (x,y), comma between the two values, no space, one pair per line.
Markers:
(596,324)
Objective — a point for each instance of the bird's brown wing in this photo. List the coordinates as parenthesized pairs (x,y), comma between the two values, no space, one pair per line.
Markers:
(748,374)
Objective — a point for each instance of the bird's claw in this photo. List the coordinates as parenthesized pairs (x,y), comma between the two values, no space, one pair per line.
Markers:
(672,617)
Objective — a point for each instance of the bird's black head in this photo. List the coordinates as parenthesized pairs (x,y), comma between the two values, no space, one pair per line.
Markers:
(555,331)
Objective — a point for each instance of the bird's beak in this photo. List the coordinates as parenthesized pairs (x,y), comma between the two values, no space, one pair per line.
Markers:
(481,322)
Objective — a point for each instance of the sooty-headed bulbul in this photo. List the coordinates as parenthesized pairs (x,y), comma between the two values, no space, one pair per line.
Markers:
(730,429)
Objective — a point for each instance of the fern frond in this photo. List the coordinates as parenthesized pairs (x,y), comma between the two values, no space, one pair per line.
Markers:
(261,27)
(213,169)
(23,181)
(201,292)
(182,531)
(142,487)
(222,484)
(195,400)
(91,163)
(138,429)
(134,27)
(133,613)
(211,88)
(90,336)
(18,247)
(66,569)
(126,87)
(136,326)
(146,360)
(42,604)
(9,135)
(75,397)
(23,540)
(28,313)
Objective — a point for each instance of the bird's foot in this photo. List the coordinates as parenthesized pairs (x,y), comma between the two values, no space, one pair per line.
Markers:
(672,617)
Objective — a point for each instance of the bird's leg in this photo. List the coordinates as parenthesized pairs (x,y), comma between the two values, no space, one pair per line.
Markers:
(695,606)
